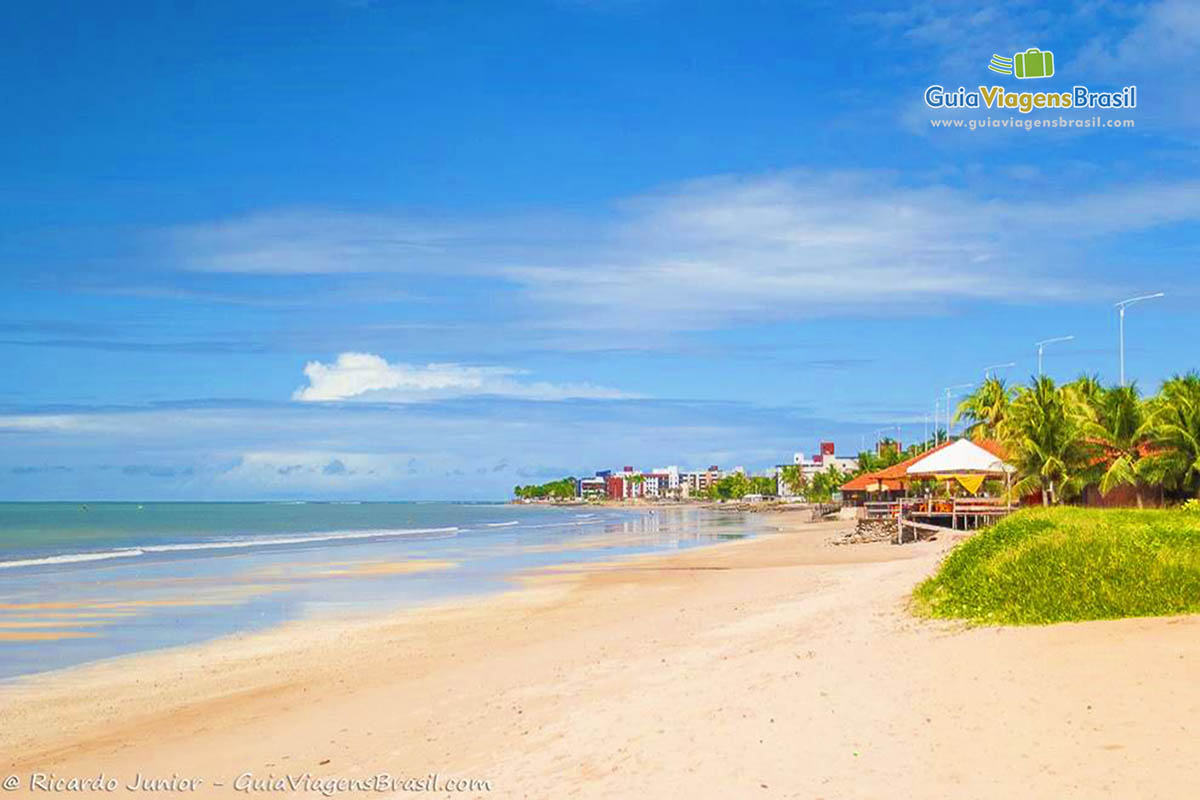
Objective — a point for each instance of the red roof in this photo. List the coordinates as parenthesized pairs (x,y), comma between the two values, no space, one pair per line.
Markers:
(895,477)
(861,483)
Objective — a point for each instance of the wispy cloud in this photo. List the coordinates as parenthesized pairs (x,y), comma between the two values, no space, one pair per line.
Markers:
(307,242)
(717,251)
(1164,36)
(1154,44)
(372,450)
(365,376)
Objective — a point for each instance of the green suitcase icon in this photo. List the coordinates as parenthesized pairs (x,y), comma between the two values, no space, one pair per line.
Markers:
(1033,63)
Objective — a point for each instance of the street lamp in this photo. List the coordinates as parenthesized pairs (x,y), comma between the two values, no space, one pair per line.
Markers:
(1042,346)
(937,410)
(987,371)
(950,419)
(1121,305)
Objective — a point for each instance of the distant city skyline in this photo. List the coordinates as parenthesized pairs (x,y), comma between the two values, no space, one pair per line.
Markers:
(402,251)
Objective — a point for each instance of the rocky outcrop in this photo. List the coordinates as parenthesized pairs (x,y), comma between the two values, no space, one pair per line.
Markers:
(870,530)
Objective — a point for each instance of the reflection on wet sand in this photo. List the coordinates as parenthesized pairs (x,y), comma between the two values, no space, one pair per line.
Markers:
(44,636)
(21,622)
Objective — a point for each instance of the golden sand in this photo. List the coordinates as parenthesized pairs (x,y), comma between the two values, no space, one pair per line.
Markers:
(773,667)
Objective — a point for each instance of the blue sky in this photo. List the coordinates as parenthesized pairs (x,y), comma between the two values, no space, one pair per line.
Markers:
(411,250)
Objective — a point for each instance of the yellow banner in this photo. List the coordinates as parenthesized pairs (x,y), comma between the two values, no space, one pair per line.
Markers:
(970,482)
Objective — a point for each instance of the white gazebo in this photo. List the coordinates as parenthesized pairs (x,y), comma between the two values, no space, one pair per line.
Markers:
(968,464)
(961,457)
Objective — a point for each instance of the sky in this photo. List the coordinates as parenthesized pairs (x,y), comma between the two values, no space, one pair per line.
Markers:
(400,250)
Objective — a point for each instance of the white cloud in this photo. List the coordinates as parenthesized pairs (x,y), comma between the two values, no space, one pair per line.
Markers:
(1165,37)
(365,376)
(45,423)
(360,450)
(951,36)
(307,242)
(713,252)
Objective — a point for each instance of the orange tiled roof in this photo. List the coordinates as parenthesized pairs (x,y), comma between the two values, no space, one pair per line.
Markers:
(861,483)
(895,477)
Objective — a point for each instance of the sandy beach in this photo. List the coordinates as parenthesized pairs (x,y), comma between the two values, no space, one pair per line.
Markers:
(779,666)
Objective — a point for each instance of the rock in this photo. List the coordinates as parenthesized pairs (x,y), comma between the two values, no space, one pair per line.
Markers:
(870,530)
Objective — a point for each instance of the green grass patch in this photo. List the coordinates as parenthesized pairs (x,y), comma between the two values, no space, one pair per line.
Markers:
(1040,566)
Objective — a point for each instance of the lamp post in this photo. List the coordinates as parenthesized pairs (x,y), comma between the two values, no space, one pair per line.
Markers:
(1042,346)
(937,410)
(950,419)
(987,371)
(1121,306)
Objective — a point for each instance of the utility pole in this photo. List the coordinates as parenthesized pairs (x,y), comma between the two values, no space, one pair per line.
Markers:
(987,371)
(1042,346)
(950,419)
(1122,306)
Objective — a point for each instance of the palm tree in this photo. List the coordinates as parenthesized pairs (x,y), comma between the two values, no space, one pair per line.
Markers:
(824,484)
(1086,390)
(1174,434)
(1045,439)
(985,408)
(1115,422)
(792,478)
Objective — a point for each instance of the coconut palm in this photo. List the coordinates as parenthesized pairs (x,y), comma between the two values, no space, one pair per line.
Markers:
(1174,434)
(1086,390)
(792,478)
(1045,438)
(985,409)
(1116,424)
(824,484)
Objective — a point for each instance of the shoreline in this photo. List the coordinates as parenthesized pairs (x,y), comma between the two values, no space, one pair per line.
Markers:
(775,665)
(175,588)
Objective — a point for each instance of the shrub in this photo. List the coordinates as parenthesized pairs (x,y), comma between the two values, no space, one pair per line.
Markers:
(1055,565)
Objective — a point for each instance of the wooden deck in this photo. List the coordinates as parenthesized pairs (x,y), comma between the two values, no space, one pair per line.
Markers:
(920,514)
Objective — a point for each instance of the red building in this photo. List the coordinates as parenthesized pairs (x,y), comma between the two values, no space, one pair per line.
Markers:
(614,487)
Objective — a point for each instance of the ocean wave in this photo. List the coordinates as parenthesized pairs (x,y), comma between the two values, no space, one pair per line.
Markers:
(226,544)
(501,524)
(574,523)
(71,558)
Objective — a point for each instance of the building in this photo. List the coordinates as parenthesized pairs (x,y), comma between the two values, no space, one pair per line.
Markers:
(614,486)
(674,483)
(697,483)
(656,485)
(588,488)
(825,458)
(629,484)
(959,461)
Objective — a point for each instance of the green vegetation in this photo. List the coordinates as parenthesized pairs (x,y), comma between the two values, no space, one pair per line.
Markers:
(737,485)
(886,453)
(825,483)
(1056,565)
(986,409)
(793,478)
(1063,439)
(563,489)
(1045,437)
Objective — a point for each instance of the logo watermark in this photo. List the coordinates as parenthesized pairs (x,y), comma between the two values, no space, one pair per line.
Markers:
(1032,63)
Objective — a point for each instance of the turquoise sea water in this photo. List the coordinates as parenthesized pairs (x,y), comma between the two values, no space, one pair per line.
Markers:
(80,582)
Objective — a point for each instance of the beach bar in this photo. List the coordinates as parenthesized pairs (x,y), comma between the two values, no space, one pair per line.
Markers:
(966,468)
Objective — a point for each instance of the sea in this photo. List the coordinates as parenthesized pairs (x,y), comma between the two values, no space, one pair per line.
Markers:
(81,582)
